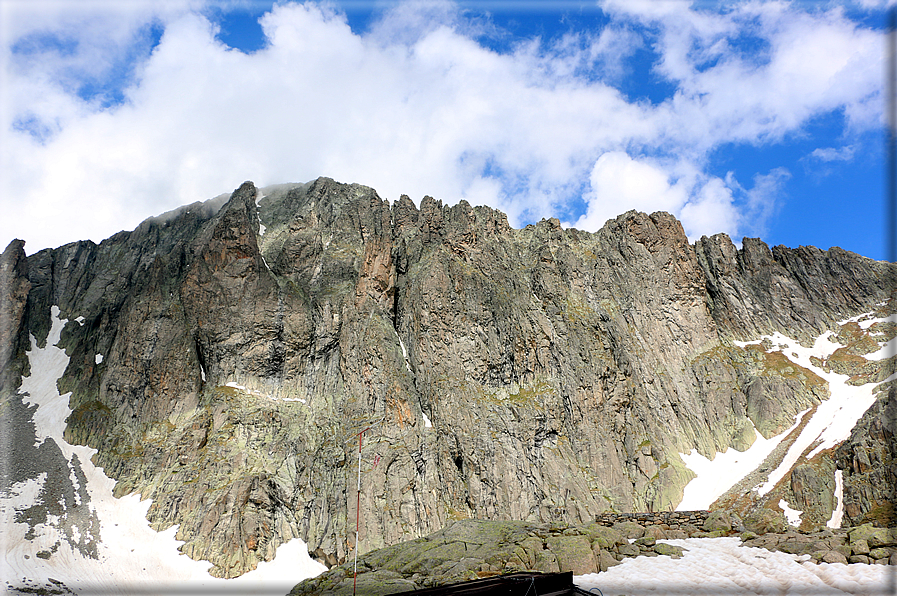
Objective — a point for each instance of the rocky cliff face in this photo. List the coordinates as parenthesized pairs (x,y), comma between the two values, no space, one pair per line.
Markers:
(869,461)
(230,353)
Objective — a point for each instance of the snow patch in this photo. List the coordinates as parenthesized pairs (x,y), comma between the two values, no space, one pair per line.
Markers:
(716,476)
(80,320)
(792,515)
(838,513)
(858,318)
(47,366)
(713,566)
(888,349)
(834,418)
(22,494)
(404,351)
(427,423)
(830,424)
(866,320)
(75,483)
(744,344)
(260,394)
(98,359)
(259,196)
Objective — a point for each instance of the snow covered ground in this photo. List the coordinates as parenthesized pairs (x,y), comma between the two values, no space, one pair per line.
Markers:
(830,424)
(129,557)
(715,566)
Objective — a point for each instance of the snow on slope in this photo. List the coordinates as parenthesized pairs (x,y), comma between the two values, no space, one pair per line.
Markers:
(838,513)
(716,476)
(129,556)
(715,566)
(830,424)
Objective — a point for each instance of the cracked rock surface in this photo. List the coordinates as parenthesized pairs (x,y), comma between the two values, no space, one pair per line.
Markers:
(247,341)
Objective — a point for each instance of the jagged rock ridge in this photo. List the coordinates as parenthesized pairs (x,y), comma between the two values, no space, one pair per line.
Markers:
(245,344)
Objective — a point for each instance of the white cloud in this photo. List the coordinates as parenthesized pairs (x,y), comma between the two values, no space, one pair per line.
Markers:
(827,154)
(619,182)
(415,106)
(710,211)
(800,64)
(764,200)
(704,204)
(877,4)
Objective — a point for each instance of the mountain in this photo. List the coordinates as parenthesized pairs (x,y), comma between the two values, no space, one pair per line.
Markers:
(223,359)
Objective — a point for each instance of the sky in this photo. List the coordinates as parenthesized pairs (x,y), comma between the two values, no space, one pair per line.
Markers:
(754,118)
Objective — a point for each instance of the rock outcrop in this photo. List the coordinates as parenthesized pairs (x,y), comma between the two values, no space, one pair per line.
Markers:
(471,549)
(869,461)
(14,288)
(229,353)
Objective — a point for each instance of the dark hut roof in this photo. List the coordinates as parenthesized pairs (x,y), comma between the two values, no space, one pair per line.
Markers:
(513,584)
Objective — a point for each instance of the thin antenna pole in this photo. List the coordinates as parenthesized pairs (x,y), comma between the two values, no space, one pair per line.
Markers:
(357,511)
(891,140)
(891,158)
(891,165)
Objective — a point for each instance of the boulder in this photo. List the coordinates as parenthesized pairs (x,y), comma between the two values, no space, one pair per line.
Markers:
(574,553)
(657,533)
(629,550)
(873,536)
(606,560)
(883,537)
(645,541)
(662,548)
(603,536)
(546,562)
(716,521)
(630,529)
(834,556)
(859,547)
(763,521)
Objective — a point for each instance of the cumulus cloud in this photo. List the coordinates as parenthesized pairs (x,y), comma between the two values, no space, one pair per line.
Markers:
(827,154)
(418,104)
(618,181)
(704,204)
(711,209)
(760,70)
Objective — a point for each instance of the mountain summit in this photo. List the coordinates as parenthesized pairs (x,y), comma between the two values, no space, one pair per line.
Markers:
(225,357)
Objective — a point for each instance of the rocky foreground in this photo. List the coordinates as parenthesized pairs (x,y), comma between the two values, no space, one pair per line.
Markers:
(471,549)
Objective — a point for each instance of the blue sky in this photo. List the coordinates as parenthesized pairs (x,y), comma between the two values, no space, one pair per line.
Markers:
(749,118)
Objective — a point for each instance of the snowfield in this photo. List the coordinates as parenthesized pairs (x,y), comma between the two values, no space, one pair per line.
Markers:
(715,566)
(830,424)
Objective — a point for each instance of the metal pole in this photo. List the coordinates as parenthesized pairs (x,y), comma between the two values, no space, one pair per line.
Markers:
(891,165)
(891,140)
(357,512)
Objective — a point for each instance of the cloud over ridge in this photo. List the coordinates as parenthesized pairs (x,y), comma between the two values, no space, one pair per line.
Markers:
(420,102)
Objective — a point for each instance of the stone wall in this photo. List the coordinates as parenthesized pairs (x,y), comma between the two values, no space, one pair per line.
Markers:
(672,520)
